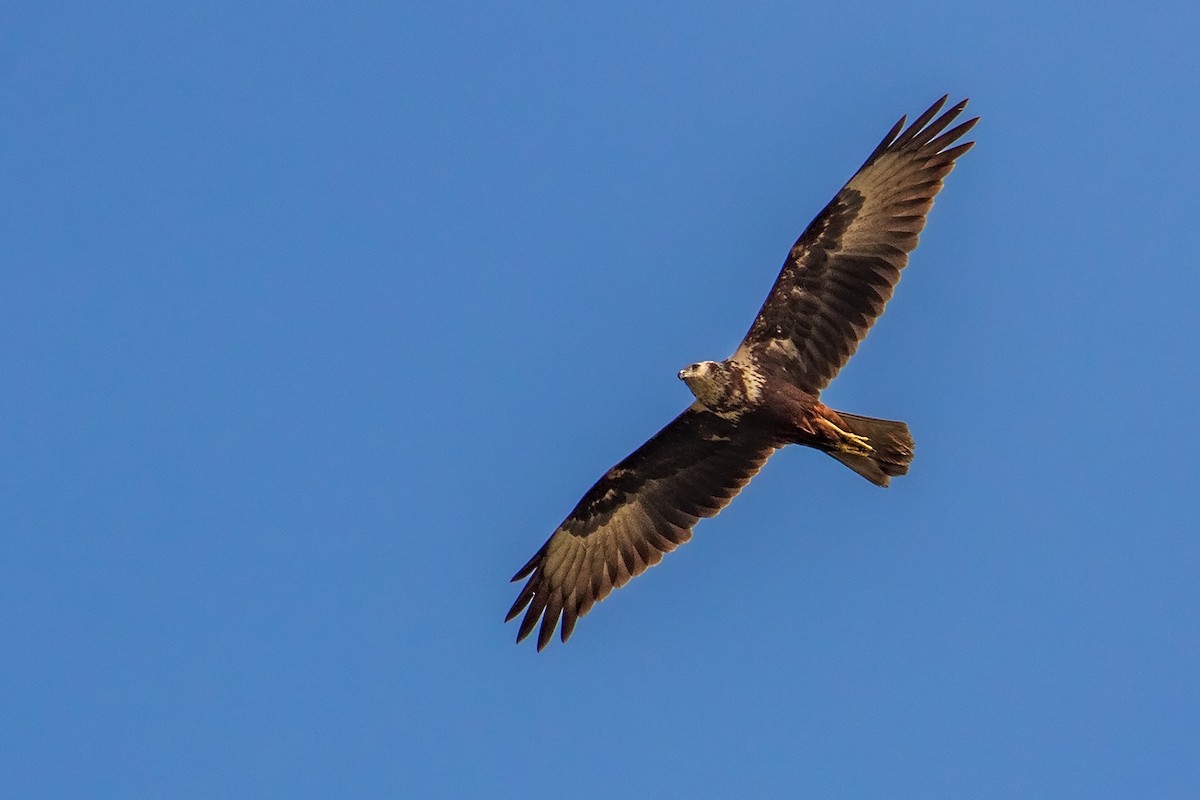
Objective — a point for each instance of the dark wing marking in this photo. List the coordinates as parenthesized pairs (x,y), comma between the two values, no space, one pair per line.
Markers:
(643,507)
(842,270)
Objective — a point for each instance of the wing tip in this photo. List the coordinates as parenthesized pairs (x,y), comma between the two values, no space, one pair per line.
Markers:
(528,622)
(519,604)
(568,625)
(546,629)
(922,130)
(530,565)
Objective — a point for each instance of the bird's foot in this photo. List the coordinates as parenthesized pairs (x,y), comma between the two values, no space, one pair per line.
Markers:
(853,443)
(844,441)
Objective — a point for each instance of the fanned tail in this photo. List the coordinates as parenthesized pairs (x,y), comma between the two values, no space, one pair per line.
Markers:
(892,448)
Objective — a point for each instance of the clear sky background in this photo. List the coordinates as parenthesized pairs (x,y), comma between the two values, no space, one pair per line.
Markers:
(316,319)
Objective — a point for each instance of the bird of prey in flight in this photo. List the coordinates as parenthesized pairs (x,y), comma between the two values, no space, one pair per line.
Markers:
(834,284)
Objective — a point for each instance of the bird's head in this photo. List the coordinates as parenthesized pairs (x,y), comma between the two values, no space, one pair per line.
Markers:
(700,371)
(707,380)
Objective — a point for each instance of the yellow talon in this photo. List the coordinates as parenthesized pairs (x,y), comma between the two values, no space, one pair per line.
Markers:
(847,442)
(856,444)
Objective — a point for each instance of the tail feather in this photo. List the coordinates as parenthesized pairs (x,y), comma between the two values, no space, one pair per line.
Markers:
(892,443)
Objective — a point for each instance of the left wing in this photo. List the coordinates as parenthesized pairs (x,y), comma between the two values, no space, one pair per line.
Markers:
(643,507)
(841,272)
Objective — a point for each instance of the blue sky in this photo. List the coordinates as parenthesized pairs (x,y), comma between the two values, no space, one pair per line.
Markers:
(316,319)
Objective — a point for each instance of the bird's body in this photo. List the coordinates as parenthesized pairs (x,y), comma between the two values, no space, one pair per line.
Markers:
(836,281)
(756,395)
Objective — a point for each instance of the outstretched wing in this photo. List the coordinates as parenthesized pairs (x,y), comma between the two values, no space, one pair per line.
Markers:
(842,270)
(643,507)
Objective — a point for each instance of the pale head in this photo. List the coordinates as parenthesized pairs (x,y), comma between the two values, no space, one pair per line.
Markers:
(708,380)
(700,371)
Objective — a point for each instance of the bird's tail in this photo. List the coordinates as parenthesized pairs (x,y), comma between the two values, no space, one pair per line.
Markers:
(891,443)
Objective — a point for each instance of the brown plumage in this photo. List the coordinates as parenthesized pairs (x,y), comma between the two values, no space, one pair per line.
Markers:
(834,285)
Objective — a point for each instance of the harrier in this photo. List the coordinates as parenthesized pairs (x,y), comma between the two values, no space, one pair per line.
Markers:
(833,286)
